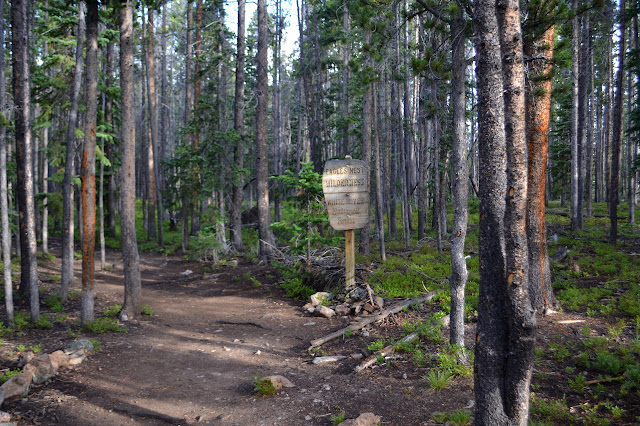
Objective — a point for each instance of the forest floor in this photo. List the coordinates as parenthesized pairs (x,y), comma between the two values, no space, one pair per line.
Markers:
(213,331)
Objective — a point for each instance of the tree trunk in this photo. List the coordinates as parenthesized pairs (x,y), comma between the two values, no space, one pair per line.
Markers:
(24,159)
(379,199)
(238,125)
(367,121)
(616,141)
(109,148)
(88,165)
(262,162)
(67,189)
(130,257)
(164,107)
(460,173)
(197,85)
(4,193)
(538,105)
(186,204)
(506,324)
(522,323)
(576,214)
(589,186)
(583,111)
(154,177)
(631,142)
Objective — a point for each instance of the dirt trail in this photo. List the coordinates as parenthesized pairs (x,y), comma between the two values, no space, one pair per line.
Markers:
(194,360)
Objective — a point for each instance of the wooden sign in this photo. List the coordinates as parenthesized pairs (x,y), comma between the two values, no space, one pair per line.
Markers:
(346,192)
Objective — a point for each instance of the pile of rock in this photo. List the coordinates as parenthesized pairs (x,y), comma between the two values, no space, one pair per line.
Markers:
(39,369)
(359,300)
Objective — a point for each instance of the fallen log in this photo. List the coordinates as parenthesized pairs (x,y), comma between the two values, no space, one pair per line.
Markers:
(364,321)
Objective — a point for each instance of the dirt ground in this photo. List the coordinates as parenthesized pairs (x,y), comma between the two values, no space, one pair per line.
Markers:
(195,359)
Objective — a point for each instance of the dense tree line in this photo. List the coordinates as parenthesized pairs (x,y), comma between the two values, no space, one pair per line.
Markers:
(445,100)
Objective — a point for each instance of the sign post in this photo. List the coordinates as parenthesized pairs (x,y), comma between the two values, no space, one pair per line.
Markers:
(345,184)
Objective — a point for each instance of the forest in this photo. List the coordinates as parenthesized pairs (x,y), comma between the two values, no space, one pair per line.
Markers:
(500,143)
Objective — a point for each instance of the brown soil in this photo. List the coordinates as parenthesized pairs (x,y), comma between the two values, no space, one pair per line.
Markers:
(195,359)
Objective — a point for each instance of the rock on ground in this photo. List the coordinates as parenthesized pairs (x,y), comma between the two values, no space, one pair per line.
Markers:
(364,419)
(320,297)
(280,382)
(42,369)
(17,386)
(323,311)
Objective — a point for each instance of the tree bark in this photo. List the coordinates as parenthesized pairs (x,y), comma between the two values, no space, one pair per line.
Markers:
(262,162)
(576,214)
(130,257)
(238,125)
(88,165)
(24,154)
(154,177)
(583,111)
(379,199)
(188,101)
(506,322)
(616,141)
(460,172)
(538,106)
(522,323)
(67,189)
(4,194)
(109,147)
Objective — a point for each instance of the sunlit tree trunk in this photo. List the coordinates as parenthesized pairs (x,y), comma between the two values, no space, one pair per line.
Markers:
(538,105)
(130,258)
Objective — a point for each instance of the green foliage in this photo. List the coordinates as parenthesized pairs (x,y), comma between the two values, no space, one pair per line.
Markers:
(559,351)
(74,295)
(36,349)
(21,320)
(458,417)
(338,418)
(104,325)
(437,378)
(96,345)
(376,345)
(54,301)
(21,348)
(9,374)
(43,322)
(263,386)
(305,222)
(112,311)
(554,411)
(293,282)
(147,310)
